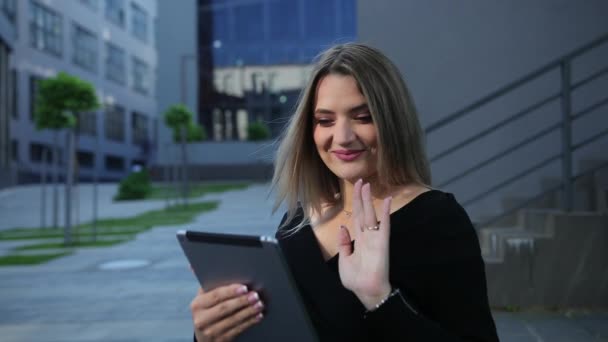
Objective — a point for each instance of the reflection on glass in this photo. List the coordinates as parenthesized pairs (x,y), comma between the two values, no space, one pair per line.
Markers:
(255,57)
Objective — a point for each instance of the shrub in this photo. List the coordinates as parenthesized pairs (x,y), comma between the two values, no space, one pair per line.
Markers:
(258,131)
(134,186)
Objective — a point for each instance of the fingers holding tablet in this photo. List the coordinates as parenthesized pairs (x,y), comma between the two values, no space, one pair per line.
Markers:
(225,312)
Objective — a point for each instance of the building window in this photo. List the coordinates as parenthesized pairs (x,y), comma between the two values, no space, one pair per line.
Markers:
(14,108)
(115,12)
(85,48)
(116,68)
(139,128)
(46,31)
(9,9)
(40,153)
(87,123)
(33,95)
(115,123)
(115,163)
(15,150)
(92,4)
(139,22)
(141,76)
(86,159)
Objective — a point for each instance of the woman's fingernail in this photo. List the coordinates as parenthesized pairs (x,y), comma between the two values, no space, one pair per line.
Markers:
(241,290)
(259,316)
(259,305)
(342,226)
(254,297)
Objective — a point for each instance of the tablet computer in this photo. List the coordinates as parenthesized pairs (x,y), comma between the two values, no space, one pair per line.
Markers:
(255,261)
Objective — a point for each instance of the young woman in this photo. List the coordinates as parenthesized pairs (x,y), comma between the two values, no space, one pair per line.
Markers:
(376,253)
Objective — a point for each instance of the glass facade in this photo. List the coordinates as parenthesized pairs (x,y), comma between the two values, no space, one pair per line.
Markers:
(33,94)
(9,9)
(92,4)
(114,123)
(141,76)
(46,29)
(116,60)
(139,128)
(276,31)
(84,48)
(139,22)
(254,58)
(115,12)
(87,123)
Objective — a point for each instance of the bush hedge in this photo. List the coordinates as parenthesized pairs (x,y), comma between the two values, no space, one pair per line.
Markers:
(135,186)
(258,131)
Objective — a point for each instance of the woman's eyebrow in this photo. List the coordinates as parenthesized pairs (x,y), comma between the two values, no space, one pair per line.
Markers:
(355,109)
(359,108)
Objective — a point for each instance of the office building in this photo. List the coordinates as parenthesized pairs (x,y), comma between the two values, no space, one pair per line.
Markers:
(255,57)
(7,88)
(109,43)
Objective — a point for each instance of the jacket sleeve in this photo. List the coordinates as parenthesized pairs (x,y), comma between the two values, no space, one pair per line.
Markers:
(455,305)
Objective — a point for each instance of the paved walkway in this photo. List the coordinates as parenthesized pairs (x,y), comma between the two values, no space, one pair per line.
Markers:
(21,206)
(80,298)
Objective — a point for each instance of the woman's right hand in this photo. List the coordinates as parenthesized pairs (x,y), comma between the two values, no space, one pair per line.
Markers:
(225,312)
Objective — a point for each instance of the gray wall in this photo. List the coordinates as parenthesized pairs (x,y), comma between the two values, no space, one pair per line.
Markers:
(176,36)
(452,53)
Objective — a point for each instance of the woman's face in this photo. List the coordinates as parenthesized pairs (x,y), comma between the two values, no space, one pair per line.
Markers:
(344,133)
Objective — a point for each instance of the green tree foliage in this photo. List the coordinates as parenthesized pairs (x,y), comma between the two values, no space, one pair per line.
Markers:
(258,131)
(194,133)
(59,98)
(179,116)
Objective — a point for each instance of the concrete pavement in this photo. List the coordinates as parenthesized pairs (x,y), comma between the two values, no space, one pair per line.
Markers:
(86,297)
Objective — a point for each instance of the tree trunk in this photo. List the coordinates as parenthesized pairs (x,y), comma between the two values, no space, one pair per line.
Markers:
(76,188)
(95,180)
(45,159)
(185,184)
(55,173)
(68,188)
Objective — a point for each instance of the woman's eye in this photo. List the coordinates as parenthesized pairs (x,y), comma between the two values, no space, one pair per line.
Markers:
(364,118)
(323,122)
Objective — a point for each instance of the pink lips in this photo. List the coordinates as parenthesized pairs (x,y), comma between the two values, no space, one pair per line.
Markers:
(348,155)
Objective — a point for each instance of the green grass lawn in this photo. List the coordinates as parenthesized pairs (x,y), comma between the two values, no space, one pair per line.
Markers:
(174,215)
(13,260)
(195,190)
(79,243)
(121,229)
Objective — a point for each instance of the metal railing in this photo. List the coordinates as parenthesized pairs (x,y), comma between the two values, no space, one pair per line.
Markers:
(564,65)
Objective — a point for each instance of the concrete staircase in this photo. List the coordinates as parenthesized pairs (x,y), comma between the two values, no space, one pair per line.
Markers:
(543,256)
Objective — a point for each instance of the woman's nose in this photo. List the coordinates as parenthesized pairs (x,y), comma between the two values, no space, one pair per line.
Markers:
(343,133)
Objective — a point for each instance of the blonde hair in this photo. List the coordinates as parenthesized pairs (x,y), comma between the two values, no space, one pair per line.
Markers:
(300,176)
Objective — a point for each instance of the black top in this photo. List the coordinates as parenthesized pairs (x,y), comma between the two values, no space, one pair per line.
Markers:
(435,262)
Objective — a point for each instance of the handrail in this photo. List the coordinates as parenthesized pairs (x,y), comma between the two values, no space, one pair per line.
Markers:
(512,179)
(564,65)
(501,154)
(515,84)
(494,127)
(535,198)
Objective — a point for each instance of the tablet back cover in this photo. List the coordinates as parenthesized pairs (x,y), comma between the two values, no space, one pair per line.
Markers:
(223,259)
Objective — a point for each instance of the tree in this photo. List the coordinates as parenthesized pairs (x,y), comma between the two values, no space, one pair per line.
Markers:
(59,100)
(180,119)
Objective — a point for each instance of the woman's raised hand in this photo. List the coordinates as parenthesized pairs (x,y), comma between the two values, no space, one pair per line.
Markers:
(225,312)
(365,270)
